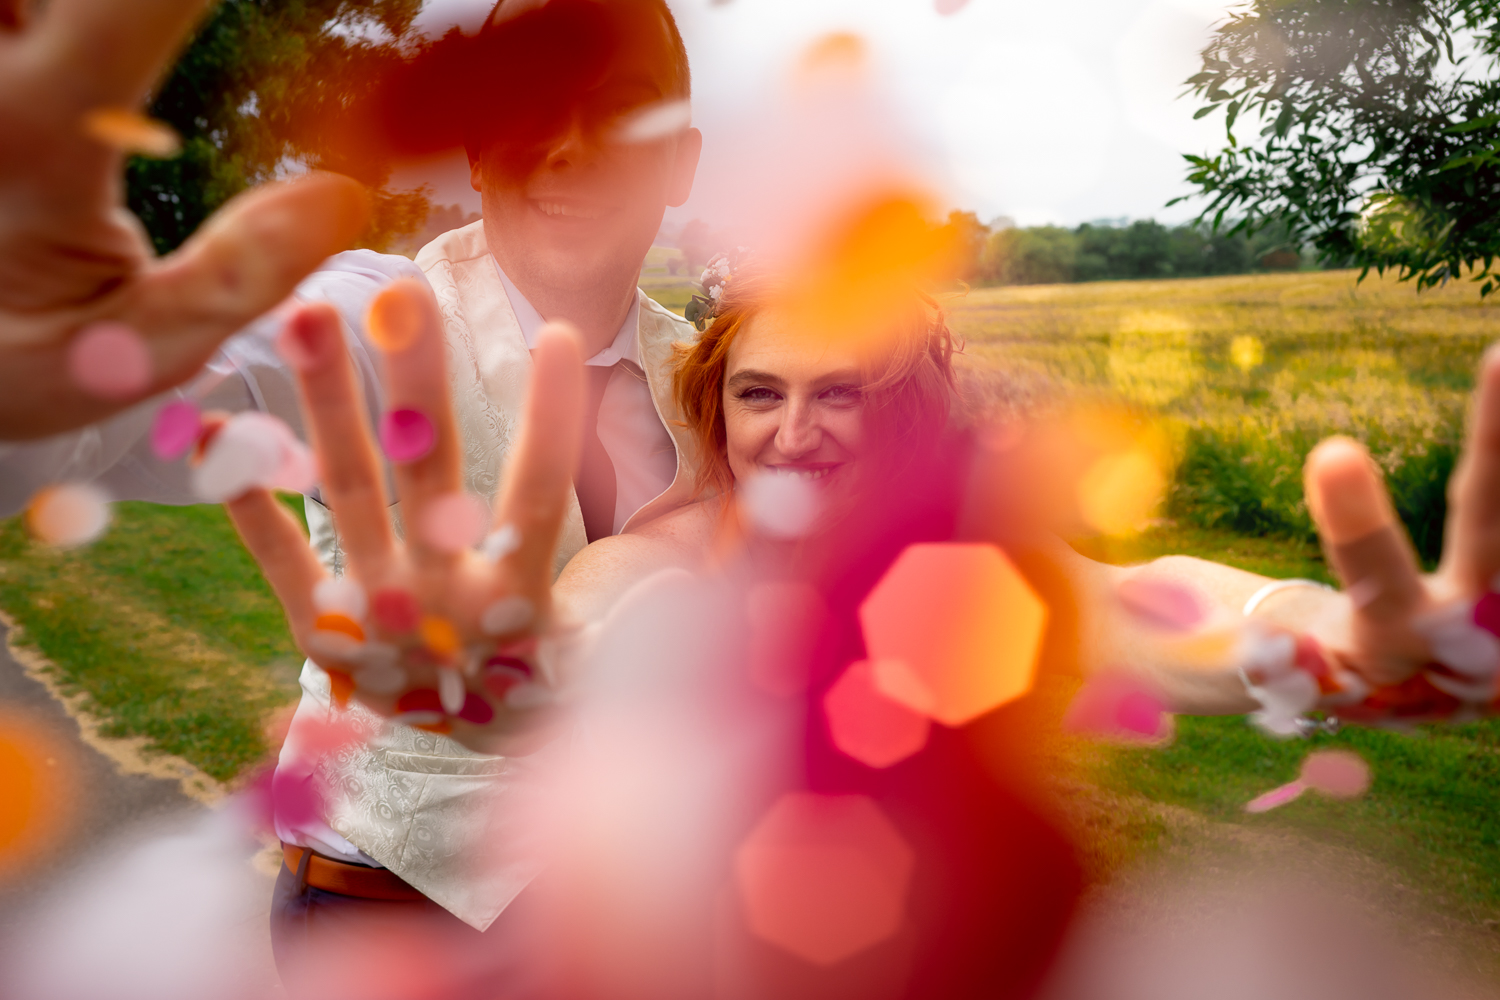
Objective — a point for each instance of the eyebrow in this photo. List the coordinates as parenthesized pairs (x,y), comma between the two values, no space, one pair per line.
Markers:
(745,375)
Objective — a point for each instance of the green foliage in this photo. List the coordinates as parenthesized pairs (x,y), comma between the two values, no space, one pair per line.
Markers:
(261,92)
(1374,131)
(1043,255)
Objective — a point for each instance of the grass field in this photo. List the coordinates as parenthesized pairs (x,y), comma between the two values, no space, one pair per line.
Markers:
(168,628)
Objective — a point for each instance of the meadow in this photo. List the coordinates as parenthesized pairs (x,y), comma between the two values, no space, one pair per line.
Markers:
(171,633)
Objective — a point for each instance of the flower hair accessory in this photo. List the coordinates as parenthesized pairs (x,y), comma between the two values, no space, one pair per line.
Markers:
(703,309)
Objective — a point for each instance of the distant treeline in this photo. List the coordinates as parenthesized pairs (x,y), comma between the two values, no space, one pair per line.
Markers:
(1003,254)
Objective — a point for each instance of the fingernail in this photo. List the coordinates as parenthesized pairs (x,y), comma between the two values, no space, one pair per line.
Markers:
(394,319)
(407,435)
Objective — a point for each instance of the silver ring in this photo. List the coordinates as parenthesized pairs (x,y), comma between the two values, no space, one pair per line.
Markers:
(1259,597)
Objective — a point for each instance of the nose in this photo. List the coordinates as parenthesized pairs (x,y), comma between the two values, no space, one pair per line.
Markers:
(799,433)
(570,147)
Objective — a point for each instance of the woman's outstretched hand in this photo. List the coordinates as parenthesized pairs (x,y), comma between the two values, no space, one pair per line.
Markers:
(429,630)
(74,261)
(1415,637)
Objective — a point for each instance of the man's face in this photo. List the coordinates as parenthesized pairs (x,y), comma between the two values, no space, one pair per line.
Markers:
(574,204)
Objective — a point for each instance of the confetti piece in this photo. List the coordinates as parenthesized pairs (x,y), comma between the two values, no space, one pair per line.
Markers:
(501,675)
(1117,706)
(247,452)
(439,636)
(451,690)
(110,361)
(420,700)
(341,595)
(380,679)
(298,470)
(655,121)
(340,687)
(1162,604)
(947,8)
(1487,613)
(779,506)
(454,522)
(1339,773)
(476,710)
(132,132)
(174,430)
(442,727)
(406,435)
(509,614)
(500,543)
(1276,797)
(394,320)
(68,515)
(335,622)
(395,610)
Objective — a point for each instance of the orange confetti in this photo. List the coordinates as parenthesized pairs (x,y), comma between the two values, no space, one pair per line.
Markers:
(439,636)
(341,687)
(335,622)
(132,132)
(38,775)
(68,515)
(964,624)
(394,320)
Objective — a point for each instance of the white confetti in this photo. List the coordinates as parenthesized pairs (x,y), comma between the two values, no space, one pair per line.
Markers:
(249,450)
(779,506)
(451,690)
(509,614)
(500,543)
(69,515)
(342,596)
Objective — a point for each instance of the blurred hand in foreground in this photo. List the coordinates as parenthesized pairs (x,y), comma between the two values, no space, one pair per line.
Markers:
(90,320)
(430,630)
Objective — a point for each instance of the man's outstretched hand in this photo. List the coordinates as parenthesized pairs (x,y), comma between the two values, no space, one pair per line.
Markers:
(71,256)
(427,629)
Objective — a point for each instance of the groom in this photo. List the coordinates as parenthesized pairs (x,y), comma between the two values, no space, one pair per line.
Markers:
(573,196)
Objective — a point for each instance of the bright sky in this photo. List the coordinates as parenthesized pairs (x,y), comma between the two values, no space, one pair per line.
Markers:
(1062,112)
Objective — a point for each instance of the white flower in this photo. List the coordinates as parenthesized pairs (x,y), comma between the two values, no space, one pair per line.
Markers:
(716,292)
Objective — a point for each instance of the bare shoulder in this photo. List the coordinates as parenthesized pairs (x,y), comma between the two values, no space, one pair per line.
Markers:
(690,526)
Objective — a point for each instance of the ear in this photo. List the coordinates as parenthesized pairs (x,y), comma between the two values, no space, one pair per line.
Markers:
(684,167)
(476,171)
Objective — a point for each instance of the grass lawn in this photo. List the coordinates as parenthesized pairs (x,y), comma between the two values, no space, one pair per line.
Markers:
(169,629)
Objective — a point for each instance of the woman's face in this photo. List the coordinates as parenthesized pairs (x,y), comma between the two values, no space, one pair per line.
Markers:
(793,406)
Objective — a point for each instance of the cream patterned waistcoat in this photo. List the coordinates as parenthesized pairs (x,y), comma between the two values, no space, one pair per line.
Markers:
(435,813)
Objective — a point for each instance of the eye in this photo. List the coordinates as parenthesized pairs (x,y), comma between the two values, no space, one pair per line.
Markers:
(759,394)
(841,395)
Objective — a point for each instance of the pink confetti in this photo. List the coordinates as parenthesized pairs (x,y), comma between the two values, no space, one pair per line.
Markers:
(454,522)
(1339,773)
(175,429)
(298,470)
(1487,613)
(1276,797)
(1165,605)
(948,8)
(341,595)
(407,435)
(110,360)
(1117,706)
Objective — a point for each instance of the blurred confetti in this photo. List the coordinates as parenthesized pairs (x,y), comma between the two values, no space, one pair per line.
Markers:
(869,726)
(396,610)
(394,319)
(824,876)
(341,595)
(508,614)
(252,449)
(406,435)
(174,429)
(1340,774)
(110,360)
(1117,706)
(68,515)
(454,521)
(964,621)
(38,781)
(1162,604)
(779,506)
(132,132)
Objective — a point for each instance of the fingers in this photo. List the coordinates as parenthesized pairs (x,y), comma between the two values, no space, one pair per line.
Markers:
(1471,549)
(334,411)
(111,53)
(1364,540)
(275,539)
(541,468)
(416,379)
(245,260)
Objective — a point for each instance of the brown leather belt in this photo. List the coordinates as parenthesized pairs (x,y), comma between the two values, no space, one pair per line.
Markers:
(346,879)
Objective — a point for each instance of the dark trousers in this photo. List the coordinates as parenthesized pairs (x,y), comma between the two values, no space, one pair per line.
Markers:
(334,947)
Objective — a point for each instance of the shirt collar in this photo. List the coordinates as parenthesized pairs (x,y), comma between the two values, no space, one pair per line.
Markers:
(626,343)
